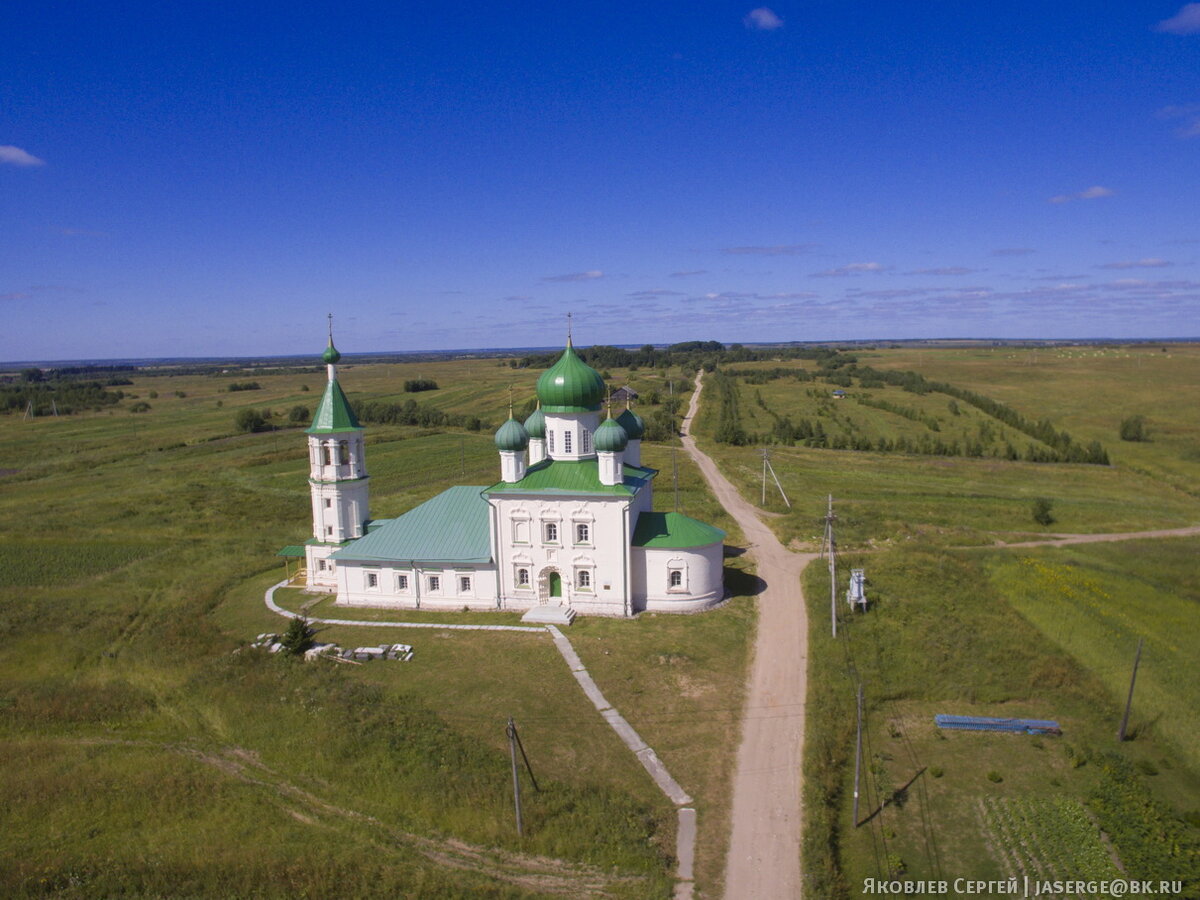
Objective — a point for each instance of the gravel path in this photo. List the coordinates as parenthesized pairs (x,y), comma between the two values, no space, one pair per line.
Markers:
(764,846)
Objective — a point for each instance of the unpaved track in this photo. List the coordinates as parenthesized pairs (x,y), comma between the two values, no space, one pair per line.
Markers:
(764,847)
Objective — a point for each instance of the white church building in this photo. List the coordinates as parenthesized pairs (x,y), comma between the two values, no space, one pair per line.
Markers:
(569,527)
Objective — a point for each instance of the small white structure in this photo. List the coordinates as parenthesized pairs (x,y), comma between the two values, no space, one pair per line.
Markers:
(856,594)
(570,524)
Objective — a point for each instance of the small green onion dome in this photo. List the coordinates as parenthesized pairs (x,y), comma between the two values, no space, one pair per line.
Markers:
(511,436)
(535,425)
(570,385)
(611,437)
(331,355)
(633,424)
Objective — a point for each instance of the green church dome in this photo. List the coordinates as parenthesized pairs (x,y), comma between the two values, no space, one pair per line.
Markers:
(511,436)
(611,437)
(570,385)
(331,355)
(633,424)
(535,425)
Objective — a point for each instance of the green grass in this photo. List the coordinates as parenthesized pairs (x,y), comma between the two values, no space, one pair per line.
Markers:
(149,754)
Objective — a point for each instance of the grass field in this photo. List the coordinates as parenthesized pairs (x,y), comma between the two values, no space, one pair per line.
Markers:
(146,756)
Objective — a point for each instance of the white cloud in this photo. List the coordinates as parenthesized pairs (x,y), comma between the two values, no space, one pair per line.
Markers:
(590,275)
(764,19)
(15,156)
(1095,192)
(1189,114)
(1146,263)
(850,269)
(1186,21)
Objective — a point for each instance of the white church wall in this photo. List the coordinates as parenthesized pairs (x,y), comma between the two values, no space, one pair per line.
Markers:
(445,587)
(677,580)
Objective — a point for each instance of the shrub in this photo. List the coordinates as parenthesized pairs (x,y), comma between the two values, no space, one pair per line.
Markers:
(1133,429)
(298,415)
(248,420)
(414,385)
(140,407)
(1041,511)
(936,771)
(994,777)
(298,636)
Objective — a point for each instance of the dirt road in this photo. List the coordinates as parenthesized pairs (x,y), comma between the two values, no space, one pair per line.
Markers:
(764,848)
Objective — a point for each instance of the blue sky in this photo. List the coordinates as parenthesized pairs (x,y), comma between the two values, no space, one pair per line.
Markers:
(196,179)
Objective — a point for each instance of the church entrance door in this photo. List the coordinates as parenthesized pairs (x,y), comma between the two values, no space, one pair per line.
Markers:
(555,584)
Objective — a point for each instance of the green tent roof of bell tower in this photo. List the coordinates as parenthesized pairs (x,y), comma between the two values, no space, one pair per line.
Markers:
(333,412)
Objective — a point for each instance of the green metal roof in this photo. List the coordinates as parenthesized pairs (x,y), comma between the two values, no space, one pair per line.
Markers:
(292,551)
(333,413)
(331,355)
(570,385)
(535,425)
(573,477)
(451,528)
(511,436)
(632,423)
(674,531)
(611,437)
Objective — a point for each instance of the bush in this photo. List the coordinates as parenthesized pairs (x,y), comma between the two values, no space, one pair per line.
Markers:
(298,415)
(248,420)
(994,777)
(414,385)
(1134,429)
(936,771)
(1041,511)
(140,407)
(235,386)
(298,636)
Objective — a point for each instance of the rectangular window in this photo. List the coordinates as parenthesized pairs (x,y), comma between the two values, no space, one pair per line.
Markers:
(566,442)
(372,580)
(328,531)
(435,584)
(551,533)
(328,503)
(585,441)
(550,441)
(464,584)
(520,531)
(402,582)
(582,533)
(320,565)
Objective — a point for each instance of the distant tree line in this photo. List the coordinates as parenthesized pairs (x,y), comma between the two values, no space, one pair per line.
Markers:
(415,385)
(410,412)
(688,355)
(64,396)
(235,386)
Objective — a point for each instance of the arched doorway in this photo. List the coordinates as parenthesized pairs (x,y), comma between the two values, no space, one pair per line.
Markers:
(555,585)
(550,585)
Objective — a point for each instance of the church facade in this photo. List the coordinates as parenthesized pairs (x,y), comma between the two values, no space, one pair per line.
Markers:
(569,527)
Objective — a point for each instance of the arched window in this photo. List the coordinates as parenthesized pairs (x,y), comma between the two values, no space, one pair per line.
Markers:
(551,533)
(582,533)
(676,578)
(327,454)
(344,453)
(522,578)
(583,578)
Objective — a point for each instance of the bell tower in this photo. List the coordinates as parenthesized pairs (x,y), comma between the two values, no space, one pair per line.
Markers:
(337,475)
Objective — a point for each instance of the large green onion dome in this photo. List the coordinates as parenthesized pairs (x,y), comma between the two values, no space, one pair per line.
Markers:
(633,424)
(535,425)
(570,385)
(611,437)
(511,436)
(331,355)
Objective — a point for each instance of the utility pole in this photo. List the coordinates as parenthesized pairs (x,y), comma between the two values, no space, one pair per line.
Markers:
(675,473)
(858,754)
(828,541)
(514,744)
(1129,701)
(511,730)
(764,478)
(462,454)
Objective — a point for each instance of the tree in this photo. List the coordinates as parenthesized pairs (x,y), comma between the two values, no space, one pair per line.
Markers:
(1133,429)
(298,636)
(248,420)
(1042,511)
(298,415)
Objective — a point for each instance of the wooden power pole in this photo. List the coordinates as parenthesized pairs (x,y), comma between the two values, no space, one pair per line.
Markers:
(1129,700)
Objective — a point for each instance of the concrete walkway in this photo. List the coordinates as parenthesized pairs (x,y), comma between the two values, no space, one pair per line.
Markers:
(685,841)
(764,843)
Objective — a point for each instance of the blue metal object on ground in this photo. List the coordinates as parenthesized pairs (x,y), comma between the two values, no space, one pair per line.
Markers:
(982,723)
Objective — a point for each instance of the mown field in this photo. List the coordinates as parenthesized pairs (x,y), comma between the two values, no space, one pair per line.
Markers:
(148,753)
(959,626)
